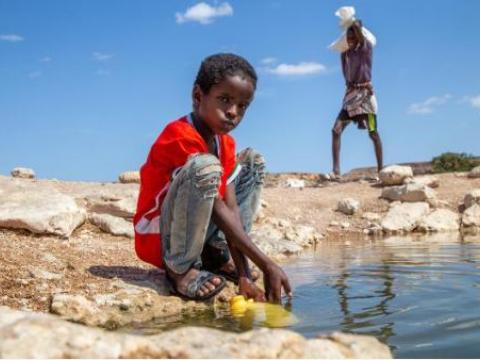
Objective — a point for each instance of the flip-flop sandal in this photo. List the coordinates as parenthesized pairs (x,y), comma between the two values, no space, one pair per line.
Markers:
(194,286)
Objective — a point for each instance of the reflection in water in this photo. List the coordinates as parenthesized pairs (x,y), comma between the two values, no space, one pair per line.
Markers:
(420,296)
(361,319)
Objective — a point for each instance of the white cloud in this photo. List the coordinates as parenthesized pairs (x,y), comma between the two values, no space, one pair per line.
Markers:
(35,74)
(46,59)
(98,56)
(268,60)
(204,13)
(303,68)
(475,101)
(428,106)
(11,38)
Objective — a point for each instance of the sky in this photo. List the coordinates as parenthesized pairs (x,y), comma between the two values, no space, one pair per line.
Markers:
(87,86)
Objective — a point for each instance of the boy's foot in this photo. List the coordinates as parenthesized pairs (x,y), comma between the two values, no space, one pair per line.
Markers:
(195,284)
(229,271)
(335,176)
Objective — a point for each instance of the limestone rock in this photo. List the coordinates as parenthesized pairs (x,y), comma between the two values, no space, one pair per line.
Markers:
(295,183)
(370,216)
(471,198)
(348,206)
(395,174)
(113,224)
(24,173)
(412,192)
(440,220)
(130,303)
(471,216)
(474,173)
(404,217)
(122,206)
(278,236)
(36,335)
(129,177)
(427,180)
(41,210)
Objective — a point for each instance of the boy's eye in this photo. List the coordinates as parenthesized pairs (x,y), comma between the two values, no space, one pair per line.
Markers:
(224,99)
(243,106)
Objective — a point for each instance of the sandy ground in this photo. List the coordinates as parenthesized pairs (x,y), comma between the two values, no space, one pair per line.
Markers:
(34,267)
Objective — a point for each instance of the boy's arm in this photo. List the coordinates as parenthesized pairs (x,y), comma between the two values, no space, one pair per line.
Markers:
(245,284)
(226,216)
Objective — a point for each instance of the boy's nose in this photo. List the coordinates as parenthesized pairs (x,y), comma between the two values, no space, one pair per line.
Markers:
(232,112)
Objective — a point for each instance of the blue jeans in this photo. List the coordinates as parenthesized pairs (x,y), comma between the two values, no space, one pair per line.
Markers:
(186,217)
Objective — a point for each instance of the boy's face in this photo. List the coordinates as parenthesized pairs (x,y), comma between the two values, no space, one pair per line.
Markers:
(223,107)
(352,39)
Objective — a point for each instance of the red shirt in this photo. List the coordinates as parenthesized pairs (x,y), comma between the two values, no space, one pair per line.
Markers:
(170,152)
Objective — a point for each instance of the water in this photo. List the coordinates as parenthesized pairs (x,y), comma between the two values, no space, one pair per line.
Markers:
(421,296)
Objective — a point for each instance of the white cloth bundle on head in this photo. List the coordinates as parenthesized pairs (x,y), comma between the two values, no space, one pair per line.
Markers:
(347,17)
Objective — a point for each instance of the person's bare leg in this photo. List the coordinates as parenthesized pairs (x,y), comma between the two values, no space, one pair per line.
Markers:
(336,144)
(377,143)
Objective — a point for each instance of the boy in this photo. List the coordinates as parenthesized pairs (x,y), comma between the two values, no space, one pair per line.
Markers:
(197,199)
(359,103)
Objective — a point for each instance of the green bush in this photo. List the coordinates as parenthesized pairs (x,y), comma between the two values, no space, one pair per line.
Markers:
(450,162)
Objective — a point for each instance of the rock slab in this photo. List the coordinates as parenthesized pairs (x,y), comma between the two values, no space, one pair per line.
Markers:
(35,335)
(129,177)
(41,210)
(113,224)
(348,206)
(440,220)
(403,217)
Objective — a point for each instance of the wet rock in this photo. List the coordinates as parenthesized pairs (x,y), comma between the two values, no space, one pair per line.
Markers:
(471,216)
(471,198)
(395,174)
(35,335)
(474,173)
(23,173)
(348,206)
(412,192)
(404,217)
(39,209)
(113,224)
(130,303)
(124,207)
(129,177)
(439,220)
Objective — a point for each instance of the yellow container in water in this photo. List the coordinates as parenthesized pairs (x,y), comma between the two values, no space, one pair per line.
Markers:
(272,315)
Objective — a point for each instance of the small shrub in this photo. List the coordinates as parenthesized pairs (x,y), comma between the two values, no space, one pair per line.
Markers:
(450,162)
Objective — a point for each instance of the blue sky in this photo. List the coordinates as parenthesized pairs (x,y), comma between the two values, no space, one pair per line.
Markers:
(86,86)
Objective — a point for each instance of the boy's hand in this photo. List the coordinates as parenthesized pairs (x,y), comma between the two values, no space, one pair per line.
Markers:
(248,289)
(275,279)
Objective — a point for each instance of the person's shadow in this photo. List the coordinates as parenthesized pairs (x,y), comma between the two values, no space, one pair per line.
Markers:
(149,278)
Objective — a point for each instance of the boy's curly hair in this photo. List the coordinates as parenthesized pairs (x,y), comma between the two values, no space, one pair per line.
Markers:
(216,67)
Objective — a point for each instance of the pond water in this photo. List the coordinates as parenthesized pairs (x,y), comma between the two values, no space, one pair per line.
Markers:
(419,295)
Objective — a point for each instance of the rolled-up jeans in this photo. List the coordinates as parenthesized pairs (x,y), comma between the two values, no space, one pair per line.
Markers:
(186,216)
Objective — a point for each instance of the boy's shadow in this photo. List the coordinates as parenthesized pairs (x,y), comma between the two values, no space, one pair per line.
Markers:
(147,278)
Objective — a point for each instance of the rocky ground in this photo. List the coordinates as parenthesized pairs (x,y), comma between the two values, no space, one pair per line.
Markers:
(67,247)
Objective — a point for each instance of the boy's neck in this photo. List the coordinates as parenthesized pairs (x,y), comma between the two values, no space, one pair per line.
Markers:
(203,129)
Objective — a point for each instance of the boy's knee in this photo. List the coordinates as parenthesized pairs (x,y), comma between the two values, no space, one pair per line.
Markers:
(206,170)
(336,131)
(374,135)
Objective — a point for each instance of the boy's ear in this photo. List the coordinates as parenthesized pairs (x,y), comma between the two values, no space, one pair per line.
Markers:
(197,94)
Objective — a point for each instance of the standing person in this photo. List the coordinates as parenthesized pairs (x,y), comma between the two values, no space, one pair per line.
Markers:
(197,198)
(359,104)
